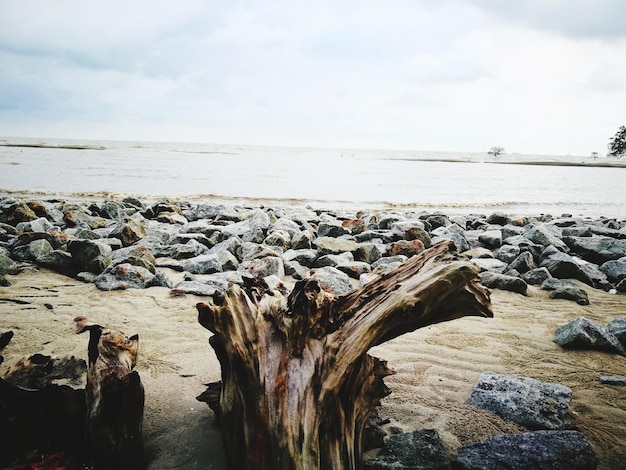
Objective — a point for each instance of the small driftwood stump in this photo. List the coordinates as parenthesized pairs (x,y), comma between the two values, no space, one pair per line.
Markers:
(115,398)
(297,383)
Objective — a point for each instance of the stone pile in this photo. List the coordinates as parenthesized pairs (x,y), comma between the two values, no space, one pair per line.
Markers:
(126,243)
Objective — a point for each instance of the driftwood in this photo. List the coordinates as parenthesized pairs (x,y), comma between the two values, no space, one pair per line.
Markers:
(115,398)
(298,385)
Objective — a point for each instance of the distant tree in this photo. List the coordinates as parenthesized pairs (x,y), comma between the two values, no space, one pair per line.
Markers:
(496,151)
(595,155)
(617,143)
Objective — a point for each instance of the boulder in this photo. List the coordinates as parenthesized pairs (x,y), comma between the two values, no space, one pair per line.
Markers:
(615,380)
(597,249)
(263,267)
(583,333)
(538,449)
(331,279)
(617,328)
(536,276)
(503,282)
(491,238)
(90,255)
(571,292)
(490,264)
(128,276)
(523,263)
(615,270)
(334,246)
(407,248)
(545,235)
(129,232)
(508,253)
(422,449)
(217,262)
(522,400)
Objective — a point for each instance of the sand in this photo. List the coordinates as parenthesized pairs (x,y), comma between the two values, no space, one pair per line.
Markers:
(436,367)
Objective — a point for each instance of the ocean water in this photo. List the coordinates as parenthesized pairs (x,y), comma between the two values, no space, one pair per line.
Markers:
(342,178)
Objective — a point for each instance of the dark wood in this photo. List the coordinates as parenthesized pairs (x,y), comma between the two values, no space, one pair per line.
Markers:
(115,398)
(298,385)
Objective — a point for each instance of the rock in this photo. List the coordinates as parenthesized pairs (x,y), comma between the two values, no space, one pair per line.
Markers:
(263,267)
(406,248)
(112,210)
(597,249)
(491,238)
(7,265)
(331,279)
(538,449)
(129,232)
(423,449)
(38,225)
(90,255)
(490,264)
(545,235)
(521,400)
(331,229)
(507,253)
(369,252)
(497,218)
(523,263)
(196,287)
(583,333)
(536,276)
(302,240)
(617,328)
(503,282)
(615,380)
(59,261)
(279,238)
(615,270)
(187,250)
(286,224)
(571,292)
(296,270)
(128,276)
(334,246)
(210,263)
(305,257)
(354,269)
(479,252)
(136,255)
(564,266)
(334,260)
(388,263)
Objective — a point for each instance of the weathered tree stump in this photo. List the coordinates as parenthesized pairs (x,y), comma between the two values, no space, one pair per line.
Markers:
(297,383)
(115,398)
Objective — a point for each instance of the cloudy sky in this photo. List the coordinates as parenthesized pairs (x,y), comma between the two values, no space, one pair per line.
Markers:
(534,76)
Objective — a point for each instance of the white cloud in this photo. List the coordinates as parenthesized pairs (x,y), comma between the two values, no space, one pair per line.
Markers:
(451,75)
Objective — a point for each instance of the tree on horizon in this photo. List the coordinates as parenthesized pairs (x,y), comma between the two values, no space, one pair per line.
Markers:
(496,151)
(617,144)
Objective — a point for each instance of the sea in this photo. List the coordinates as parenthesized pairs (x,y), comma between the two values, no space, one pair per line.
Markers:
(350,179)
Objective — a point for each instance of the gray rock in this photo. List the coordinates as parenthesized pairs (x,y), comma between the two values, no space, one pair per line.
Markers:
(536,276)
(597,249)
(369,252)
(507,253)
(503,282)
(249,251)
(418,450)
(545,235)
(334,246)
(263,267)
(7,265)
(38,225)
(279,238)
(498,218)
(196,287)
(90,255)
(136,255)
(302,240)
(334,260)
(354,269)
(583,333)
(59,261)
(615,270)
(128,276)
(187,250)
(491,238)
(579,231)
(331,229)
(523,263)
(521,400)
(296,270)
(571,292)
(564,266)
(615,380)
(617,328)
(286,224)
(490,264)
(546,450)
(210,263)
(129,232)
(305,257)
(331,280)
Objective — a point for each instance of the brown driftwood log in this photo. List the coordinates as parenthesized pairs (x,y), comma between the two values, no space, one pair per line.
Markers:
(297,383)
(115,398)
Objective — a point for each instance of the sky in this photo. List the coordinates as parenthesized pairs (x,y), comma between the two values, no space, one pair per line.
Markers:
(533,76)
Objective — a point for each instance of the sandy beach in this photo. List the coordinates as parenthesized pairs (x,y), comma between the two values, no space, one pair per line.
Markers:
(436,367)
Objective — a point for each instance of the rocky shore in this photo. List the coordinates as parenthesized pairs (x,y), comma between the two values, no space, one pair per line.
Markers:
(127,243)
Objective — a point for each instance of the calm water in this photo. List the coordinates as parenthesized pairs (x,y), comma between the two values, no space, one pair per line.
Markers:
(331,177)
